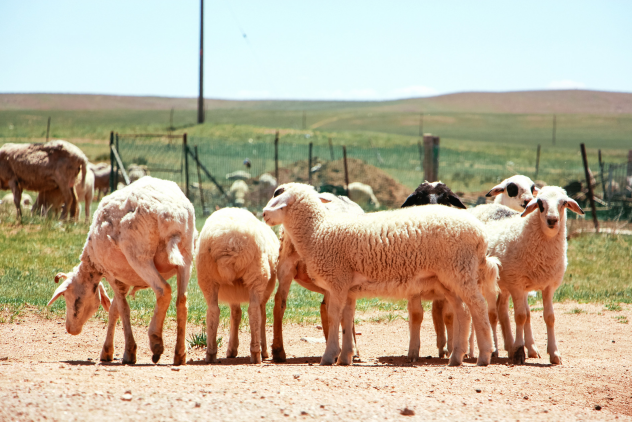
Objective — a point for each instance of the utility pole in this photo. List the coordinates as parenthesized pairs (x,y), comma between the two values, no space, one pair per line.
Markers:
(200,119)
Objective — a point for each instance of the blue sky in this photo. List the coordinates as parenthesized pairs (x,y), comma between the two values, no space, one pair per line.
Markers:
(314,49)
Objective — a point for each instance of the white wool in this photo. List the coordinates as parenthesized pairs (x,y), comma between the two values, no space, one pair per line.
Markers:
(363,194)
(524,192)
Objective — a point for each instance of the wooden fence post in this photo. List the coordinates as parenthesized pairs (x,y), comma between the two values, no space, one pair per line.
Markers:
(331,150)
(344,155)
(309,165)
(603,179)
(629,172)
(427,166)
(118,167)
(435,158)
(276,157)
(186,165)
(47,128)
(197,161)
(537,162)
(112,186)
(590,190)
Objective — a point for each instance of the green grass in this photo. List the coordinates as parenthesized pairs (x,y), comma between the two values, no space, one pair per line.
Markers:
(621,319)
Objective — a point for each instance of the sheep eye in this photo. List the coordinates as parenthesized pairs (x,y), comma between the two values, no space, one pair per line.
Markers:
(278,192)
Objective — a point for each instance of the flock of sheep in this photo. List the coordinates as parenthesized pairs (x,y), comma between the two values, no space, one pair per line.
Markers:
(467,261)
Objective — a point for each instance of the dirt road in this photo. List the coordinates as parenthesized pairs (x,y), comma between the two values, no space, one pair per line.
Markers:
(48,374)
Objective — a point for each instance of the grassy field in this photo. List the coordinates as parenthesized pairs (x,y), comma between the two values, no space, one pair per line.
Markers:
(30,255)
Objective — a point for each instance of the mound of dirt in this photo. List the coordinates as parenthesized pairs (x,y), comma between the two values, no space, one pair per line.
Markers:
(388,191)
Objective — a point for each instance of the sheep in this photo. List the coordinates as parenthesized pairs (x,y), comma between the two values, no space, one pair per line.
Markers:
(515,192)
(433,193)
(238,175)
(136,171)
(101,178)
(292,267)
(238,192)
(141,236)
(362,194)
(42,167)
(54,200)
(236,258)
(7,201)
(532,251)
(390,253)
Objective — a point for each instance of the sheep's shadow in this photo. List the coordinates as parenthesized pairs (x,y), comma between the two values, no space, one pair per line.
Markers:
(435,361)
(114,364)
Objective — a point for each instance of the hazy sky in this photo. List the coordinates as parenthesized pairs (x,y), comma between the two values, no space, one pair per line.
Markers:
(314,49)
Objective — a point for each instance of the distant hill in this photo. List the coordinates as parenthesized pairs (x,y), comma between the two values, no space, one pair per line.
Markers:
(546,102)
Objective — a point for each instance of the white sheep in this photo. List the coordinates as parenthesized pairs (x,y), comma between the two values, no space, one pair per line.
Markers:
(141,236)
(292,267)
(136,171)
(515,192)
(363,194)
(532,252)
(389,254)
(236,260)
(238,191)
(7,201)
(54,200)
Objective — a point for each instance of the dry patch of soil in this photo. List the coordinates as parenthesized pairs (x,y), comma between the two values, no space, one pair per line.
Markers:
(48,374)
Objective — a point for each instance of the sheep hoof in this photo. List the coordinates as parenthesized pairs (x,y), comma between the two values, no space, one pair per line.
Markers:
(231,353)
(156,357)
(495,354)
(211,358)
(180,359)
(483,360)
(454,360)
(326,361)
(518,356)
(345,359)
(413,357)
(278,355)
(157,349)
(556,358)
(264,354)
(129,359)
(443,353)
(255,357)
(107,356)
(533,353)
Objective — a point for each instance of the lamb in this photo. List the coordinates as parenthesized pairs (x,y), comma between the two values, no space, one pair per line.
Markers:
(238,192)
(292,267)
(141,236)
(390,253)
(532,252)
(236,259)
(433,193)
(363,194)
(101,178)
(53,199)
(42,167)
(515,192)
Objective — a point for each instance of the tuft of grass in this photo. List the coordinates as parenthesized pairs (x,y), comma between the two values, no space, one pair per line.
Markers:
(537,309)
(621,319)
(198,340)
(613,307)
(576,311)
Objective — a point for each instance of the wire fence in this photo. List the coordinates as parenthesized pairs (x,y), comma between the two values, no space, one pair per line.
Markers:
(246,173)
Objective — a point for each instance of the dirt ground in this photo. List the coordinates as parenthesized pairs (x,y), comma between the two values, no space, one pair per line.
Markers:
(48,374)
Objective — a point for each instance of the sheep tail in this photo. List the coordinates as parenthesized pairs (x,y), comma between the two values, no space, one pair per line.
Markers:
(175,257)
(488,276)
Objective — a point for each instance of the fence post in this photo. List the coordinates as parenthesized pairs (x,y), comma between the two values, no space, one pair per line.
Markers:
(309,165)
(276,157)
(111,162)
(428,157)
(344,155)
(609,184)
(47,128)
(603,179)
(197,161)
(118,167)
(590,190)
(435,158)
(537,163)
(186,165)
(629,173)
(331,150)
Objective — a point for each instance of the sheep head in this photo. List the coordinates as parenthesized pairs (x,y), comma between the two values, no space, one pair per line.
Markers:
(285,196)
(433,193)
(552,202)
(519,191)
(83,293)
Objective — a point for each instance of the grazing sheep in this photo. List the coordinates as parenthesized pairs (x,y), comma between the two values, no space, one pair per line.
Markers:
(392,254)
(141,236)
(7,202)
(136,171)
(101,178)
(433,193)
(53,199)
(236,260)
(532,252)
(238,192)
(238,175)
(42,167)
(362,194)
(292,267)
(515,192)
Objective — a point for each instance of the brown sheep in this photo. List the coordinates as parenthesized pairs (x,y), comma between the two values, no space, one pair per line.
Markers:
(53,200)
(42,167)
(101,178)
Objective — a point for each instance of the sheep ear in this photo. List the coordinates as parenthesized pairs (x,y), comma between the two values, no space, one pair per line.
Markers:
(496,190)
(531,206)
(324,199)
(105,300)
(410,201)
(59,292)
(573,206)
(456,201)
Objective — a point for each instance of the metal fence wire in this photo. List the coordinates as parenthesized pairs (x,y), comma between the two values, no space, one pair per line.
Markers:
(239,173)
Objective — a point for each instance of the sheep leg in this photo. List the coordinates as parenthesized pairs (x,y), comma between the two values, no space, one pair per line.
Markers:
(528,334)
(348,313)
(233,339)
(211,293)
(356,350)
(448,320)
(120,290)
(17,199)
(460,329)
(439,325)
(334,311)
(87,202)
(324,319)
(107,353)
(492,313)
(549,317)
(478,309)
(254,316)
(264,343)
(286,274)
(415,317)
(184,273)
(502,305)
(520,315)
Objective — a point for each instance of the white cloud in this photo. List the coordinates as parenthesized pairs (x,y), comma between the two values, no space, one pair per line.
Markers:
(566,84)
(414,91)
